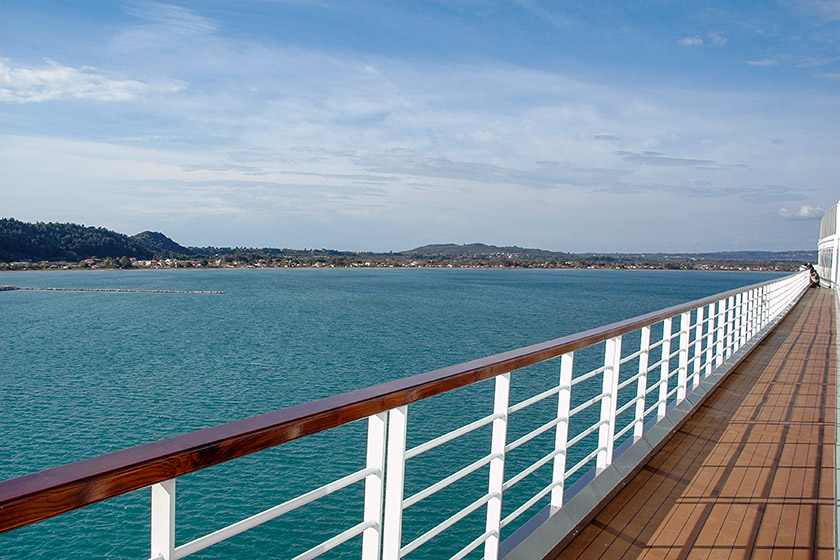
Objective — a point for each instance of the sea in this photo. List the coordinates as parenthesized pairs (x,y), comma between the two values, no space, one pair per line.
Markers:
(87,373)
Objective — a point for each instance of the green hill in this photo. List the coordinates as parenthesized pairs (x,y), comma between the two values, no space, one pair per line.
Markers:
(22,241)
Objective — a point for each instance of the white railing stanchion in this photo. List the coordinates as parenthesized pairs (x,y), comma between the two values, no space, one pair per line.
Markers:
(163,520)
(394,483)
(561,438)
(682,371)
(710,342)
(698,349)
(641,384)
(719,332)
(606,432)
(664,369)
(374,486)
(497,467)
(750,314)
(730,321)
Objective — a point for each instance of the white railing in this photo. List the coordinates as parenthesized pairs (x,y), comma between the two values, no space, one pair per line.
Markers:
(648,365)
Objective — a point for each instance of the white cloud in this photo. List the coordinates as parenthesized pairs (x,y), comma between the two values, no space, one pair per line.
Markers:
(717,38)
(54,81)
(162,25)
(691,42)
(804,213)
(763,62)
(176,18)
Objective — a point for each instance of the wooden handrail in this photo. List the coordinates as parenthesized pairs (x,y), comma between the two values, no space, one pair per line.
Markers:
(39,496)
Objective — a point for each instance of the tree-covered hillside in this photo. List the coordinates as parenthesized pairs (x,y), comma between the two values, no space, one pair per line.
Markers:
(21,241)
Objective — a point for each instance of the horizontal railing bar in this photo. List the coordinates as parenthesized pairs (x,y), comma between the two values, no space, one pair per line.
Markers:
(444,525)
(656,344)
(531,469)
(585,405)
(41,495)
(626,428)
(653,386)
(652,367)
(582,463)
(651,409)
(628,381)
(632,356)
(272,513)
(587,432)
(473,545)
(533,500)
(588,375)
(533,400)
(330,544)
(454,477)
(449,436)
(531,435)
(629,403)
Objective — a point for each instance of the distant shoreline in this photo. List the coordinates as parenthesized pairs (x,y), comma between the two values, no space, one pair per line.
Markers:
(701,266)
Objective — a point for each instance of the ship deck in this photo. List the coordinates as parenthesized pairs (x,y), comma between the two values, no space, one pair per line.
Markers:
(751,474)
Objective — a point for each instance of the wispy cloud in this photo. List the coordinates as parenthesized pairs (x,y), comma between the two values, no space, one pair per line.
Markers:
(763,62)
(717,38)
(691,41)
(161,25)
(53,81)
(805,212)
(658,159)
(606,137)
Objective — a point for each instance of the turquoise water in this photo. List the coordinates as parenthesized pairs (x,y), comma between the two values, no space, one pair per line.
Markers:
(85,373)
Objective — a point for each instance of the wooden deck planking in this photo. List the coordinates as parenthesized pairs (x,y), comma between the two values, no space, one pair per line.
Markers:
(751,474)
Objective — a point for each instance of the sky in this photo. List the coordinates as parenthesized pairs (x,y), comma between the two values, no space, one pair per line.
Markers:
(613,126)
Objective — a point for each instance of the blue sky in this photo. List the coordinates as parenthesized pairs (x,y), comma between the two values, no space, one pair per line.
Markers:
(574,126)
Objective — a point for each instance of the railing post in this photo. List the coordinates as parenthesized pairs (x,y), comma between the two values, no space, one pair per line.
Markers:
(730,322)
(163,520)
(765,306)
(606,433)
(664,369)
(394,483)
(736,323)
(765,301)
(561,437)
(720,332)
(641,384)
(710,342)
(698,348)
(682,371)
(374,486)
(497,467)
(750,319)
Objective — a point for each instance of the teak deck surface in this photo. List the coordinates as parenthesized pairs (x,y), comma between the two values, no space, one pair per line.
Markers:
(750,475)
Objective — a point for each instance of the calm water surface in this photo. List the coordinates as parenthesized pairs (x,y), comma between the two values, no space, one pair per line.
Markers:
(85,373)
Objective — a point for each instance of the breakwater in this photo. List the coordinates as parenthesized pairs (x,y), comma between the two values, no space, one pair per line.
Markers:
(120,290)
